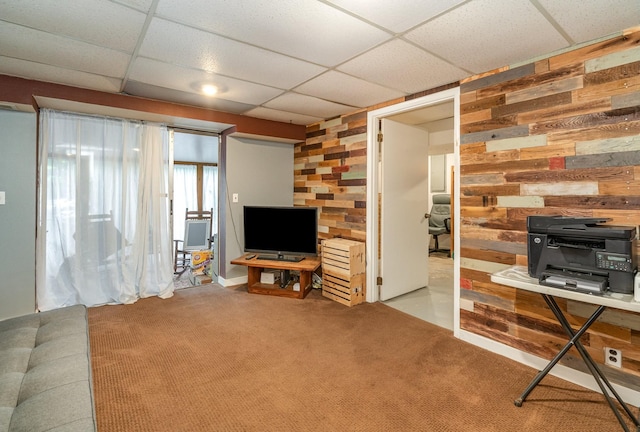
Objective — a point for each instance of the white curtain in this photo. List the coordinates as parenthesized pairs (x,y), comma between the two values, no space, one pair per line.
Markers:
(103,223)
(210,193)
(185,195)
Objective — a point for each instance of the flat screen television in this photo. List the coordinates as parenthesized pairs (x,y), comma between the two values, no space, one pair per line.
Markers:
(281,233)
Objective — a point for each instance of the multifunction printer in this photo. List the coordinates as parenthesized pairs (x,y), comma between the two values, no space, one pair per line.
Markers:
(582,254)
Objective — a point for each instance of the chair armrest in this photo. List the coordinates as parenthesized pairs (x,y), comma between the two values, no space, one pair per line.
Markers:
(447,224)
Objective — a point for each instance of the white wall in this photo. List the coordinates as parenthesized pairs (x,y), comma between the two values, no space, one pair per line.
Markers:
(18,215)
(261,173)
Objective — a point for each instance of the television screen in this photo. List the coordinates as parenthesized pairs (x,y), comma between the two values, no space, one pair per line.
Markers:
(284,232)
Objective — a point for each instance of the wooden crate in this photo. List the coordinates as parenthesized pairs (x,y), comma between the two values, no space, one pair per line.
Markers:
(342,257)
(343,271)
(349,291)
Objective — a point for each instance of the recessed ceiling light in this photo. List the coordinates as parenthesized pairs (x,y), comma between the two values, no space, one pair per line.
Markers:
(209,89)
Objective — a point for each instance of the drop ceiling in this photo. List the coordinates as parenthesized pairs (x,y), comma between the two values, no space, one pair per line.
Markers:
(297,61)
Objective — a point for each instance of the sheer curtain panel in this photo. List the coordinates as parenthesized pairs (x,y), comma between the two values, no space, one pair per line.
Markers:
(103,223)
(185,195)
(210,193)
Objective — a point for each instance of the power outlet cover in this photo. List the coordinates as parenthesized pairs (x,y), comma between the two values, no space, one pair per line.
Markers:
(613,357)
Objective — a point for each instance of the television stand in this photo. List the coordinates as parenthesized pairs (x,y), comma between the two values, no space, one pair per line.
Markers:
(255,267)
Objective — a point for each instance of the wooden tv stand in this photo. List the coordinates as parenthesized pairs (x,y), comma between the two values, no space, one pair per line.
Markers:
(306,267)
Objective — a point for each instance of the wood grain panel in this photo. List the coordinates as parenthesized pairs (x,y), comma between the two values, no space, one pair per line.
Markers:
(502,133)
(482,179)
(541,76)
(531,164)
(593,133)
(562,111)
(627,143)
(619,188)
(490,255)
(618,159)
(599,202)
(495,245)
(613,173)
(491,157)
(547,89)
(510,189)
(483,213)
(480,299)
(616,73)
(546,128)
(481,105)
(550,151)
(608,89)
(491,124)
(599,49)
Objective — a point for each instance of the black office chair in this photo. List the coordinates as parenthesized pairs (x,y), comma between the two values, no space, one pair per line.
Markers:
(440,220)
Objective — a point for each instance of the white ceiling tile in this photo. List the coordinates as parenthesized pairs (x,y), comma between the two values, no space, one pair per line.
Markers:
(32,45)
(338,87)
(320,50)
(141,5)
(282,116)
(212,53)
(190,80)
(398,15)
(41,72)
(307,105)
(90,21)
(401,65)
(160,93)
(305,29)
(485,34)
(582,19)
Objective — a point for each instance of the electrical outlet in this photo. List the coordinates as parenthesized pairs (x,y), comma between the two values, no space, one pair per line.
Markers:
(235,197)
(613,357)
(2,199)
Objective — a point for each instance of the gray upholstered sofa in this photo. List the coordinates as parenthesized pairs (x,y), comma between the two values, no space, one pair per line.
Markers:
(45,372)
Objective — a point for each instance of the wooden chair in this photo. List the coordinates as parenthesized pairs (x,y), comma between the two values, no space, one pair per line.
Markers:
(197,236)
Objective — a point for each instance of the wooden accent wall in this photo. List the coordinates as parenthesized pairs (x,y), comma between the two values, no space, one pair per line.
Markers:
(330,170)
(557,136)
(331,174)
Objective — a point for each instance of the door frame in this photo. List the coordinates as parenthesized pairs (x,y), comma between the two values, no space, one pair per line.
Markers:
(373,155)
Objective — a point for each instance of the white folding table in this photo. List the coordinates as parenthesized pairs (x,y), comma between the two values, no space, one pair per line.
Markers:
(518,277)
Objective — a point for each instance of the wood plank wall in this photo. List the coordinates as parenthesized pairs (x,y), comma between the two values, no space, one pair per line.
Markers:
(557,136)
(331,174)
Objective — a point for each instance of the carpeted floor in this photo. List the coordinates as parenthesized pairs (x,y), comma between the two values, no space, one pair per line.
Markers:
(220,359)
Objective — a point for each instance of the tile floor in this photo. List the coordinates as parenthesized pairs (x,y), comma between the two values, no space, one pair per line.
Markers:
(435,302)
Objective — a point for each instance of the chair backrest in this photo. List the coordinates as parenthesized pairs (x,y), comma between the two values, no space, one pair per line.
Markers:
(197,229)
(440,210)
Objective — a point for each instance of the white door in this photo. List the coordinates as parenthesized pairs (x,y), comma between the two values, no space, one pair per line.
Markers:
(405,190)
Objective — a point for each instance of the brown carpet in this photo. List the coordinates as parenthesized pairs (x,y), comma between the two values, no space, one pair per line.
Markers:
(220,359)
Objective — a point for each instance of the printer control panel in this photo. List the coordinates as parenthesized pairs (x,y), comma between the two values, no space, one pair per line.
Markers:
(613,261)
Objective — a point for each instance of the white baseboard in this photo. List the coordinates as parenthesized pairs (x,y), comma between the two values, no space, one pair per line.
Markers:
(566,373)
(233,281)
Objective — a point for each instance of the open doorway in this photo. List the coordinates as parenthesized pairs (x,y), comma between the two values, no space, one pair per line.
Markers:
(396,263)
(195,187)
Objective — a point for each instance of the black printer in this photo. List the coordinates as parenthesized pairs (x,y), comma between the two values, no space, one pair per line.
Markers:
(582,255)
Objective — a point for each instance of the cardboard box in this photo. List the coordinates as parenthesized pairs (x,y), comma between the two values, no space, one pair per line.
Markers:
(200,262)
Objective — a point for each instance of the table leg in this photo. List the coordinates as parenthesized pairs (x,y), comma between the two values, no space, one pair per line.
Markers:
(556,359)
(574,340)
(598,375)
